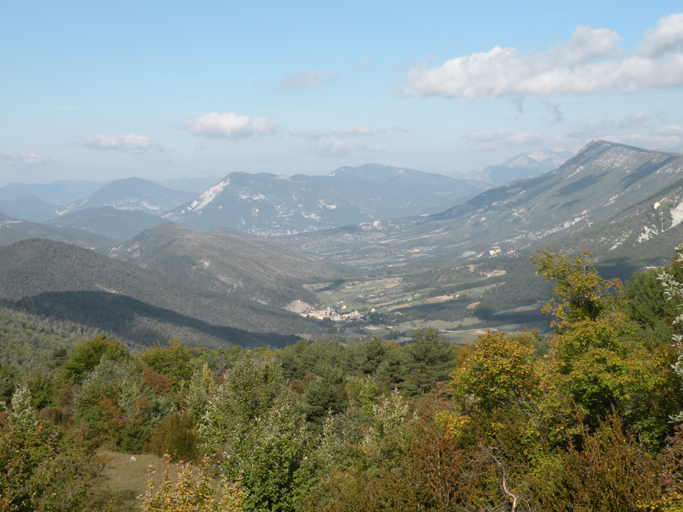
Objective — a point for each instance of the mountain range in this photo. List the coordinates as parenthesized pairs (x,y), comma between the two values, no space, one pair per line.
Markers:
(434,248)
(597,185)
(267,204)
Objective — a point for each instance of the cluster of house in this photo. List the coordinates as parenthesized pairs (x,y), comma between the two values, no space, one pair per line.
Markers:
(328,312)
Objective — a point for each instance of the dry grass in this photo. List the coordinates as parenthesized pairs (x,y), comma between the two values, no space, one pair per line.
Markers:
(129,477)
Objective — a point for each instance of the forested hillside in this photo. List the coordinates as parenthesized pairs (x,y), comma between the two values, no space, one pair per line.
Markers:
(66,282)
(225,263)
(585,418)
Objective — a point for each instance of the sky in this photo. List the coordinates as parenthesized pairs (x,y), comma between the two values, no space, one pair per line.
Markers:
(100,90)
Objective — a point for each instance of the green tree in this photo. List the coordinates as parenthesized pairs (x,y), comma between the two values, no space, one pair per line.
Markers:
(255,425)
(580,292)
(85,356)
(500,370)
(22,417)
(173,361)
(429,360)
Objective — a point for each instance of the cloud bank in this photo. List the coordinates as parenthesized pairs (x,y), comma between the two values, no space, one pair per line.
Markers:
(228,125)
(22,158)
(591,61)
(132,144)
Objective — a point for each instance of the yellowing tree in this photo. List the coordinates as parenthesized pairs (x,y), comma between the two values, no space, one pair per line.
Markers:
(580,292)
(191,492)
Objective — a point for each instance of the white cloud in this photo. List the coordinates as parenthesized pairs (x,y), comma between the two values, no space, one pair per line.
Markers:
(357,131)
(665,138)
(228,125)
(340,147)
(665,38)
(633,119)
(402,129)
(362,64)
(131,143)
(590,61)
(332,147)
(502,137)
(22,158)
(556,114)
(306,79)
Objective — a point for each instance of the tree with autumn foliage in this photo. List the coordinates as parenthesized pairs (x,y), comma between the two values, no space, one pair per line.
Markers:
(579,293)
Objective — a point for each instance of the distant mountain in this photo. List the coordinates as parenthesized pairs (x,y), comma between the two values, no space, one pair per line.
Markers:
(60,280)
(29,207)
(603,180)
(121,225)
(267,204)
(390,192)
(524,166)
(57,193)
(224,263)
(14,230)
(134,194)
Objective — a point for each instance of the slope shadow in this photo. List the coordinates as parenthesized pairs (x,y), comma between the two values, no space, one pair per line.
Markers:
(135,320)
(644,170)
(577,186)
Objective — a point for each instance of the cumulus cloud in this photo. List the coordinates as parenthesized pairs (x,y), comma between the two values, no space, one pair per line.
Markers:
(306,79)
(228,125)
(131,143)
(15,158)
(590,61)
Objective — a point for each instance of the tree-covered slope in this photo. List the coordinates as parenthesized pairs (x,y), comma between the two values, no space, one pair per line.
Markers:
(121,225)
(33,267)
(224,263)
(14,230)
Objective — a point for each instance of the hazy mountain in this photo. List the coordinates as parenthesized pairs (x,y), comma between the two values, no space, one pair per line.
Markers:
(601,181)
(390,192)
(524,166)
(60,278)
(121,225)
(14,230)
(29,207)
(134,194)
(224,263)
(268,204)
(58,193)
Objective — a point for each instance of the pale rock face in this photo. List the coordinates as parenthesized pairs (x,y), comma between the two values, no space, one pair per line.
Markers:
(207,197)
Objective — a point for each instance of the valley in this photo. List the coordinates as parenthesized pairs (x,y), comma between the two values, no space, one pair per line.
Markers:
(421,262)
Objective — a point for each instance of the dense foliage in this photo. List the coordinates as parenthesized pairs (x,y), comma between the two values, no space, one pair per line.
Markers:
(585,418)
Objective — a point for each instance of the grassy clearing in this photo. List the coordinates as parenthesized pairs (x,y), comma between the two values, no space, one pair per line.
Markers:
(130,477)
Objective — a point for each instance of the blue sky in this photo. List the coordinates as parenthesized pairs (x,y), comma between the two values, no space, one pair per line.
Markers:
(103,90)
